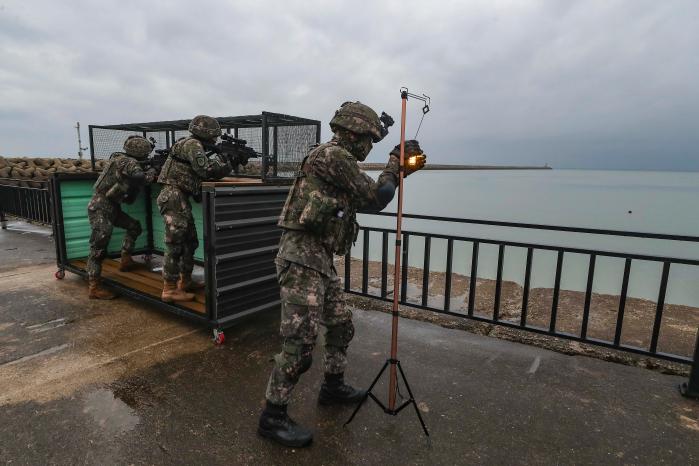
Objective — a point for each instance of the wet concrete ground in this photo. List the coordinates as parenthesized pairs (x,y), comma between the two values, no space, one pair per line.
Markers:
(85,382)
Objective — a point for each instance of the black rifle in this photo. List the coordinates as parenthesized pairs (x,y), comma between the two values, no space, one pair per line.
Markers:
(156,161)
(233,150)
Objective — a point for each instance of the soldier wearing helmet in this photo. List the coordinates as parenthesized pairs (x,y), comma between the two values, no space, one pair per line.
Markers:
(319,221)
(181,177)
(119,182)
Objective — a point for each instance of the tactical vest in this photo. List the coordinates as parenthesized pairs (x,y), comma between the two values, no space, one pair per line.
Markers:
(112,183)
(320,208)
(178,172)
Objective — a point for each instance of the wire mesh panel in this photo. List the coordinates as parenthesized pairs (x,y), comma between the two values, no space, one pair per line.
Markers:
(289,145)
(104,142)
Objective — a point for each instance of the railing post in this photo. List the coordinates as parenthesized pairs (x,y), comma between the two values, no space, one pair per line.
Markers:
(691,389)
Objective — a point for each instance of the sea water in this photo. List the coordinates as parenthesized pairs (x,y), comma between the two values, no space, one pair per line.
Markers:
(639,201)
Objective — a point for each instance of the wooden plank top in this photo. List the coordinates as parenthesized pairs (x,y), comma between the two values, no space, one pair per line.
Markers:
(145,281)
(234,181)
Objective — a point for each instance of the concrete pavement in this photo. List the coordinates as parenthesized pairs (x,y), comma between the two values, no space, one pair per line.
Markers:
(85,382)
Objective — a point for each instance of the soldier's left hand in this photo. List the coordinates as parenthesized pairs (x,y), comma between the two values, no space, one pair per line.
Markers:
(412,147)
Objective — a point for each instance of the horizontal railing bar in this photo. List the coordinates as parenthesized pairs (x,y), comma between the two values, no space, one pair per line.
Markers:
(534,226)
(566,249)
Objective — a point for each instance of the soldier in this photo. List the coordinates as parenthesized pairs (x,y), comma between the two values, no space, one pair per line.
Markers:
(319,220)
(120,181)
(181,176)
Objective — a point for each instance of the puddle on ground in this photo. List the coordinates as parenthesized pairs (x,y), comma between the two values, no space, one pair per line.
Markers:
(111,414)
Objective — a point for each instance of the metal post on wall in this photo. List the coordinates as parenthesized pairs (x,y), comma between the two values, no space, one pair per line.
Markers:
(92,147)
(690,389)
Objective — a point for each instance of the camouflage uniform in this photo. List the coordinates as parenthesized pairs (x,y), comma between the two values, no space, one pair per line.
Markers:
(181,176)
(119,182)
(319,219)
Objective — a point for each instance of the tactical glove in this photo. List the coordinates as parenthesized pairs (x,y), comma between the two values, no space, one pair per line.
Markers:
(412,147)
(414,157)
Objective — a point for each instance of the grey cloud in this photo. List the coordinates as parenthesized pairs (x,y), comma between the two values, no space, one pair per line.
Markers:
(606,84)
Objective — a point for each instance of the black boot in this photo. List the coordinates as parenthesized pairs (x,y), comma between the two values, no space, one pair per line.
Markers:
(335,391)
(276,424)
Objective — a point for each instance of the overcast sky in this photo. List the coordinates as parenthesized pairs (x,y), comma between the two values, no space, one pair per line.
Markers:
(575,84)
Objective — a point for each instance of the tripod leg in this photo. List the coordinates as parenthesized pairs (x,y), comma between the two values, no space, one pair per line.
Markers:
(412,399)
(368,392)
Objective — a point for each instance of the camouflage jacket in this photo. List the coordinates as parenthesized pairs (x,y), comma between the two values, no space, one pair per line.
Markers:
(121,178)
(319,215)
(188,165)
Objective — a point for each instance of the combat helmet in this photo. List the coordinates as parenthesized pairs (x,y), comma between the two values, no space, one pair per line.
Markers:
(137,147)
(358,118)
(205,127)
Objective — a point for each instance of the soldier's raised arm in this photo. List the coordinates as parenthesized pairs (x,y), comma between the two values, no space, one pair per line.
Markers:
(208,168)
(338,168)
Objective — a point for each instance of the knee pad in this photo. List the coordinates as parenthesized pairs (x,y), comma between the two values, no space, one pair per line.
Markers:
(340,335)
(294,359)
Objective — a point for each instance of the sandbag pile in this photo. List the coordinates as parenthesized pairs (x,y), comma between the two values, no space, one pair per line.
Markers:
(26,171)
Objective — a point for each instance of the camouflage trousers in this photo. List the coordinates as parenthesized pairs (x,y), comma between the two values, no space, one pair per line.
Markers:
(180,232)
(104,215)
(308,298)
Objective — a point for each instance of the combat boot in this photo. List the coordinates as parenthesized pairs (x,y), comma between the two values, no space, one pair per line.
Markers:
(335,391)
(276,424)
(172,294)
(127,263)
(96,291)
(186,283)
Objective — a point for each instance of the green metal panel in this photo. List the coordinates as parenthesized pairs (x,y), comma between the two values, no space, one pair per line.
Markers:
(159,226)
(75,196)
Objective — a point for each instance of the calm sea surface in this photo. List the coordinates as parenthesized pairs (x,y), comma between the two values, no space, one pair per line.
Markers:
(653,202)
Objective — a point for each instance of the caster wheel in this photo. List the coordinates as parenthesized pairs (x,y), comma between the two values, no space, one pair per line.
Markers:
(60,274)
(219,337)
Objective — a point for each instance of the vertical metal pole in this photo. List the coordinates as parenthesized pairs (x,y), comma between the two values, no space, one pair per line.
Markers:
(527,285)
(426,271)
(556,292)
(265,146)
(92,147)
(588,296)
(447,283)
(498,284)
(393,382)
(384,263)
(365,262)
(690,389)
(274,150)
(622,302)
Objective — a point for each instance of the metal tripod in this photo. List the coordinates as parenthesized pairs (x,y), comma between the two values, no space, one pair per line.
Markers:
(393,363)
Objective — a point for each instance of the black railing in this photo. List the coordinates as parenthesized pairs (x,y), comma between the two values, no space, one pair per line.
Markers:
(522,322)
(29,200)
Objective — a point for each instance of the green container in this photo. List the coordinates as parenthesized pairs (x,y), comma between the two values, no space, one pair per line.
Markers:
(76,195)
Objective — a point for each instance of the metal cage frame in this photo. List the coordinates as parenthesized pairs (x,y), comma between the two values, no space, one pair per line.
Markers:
(265,121)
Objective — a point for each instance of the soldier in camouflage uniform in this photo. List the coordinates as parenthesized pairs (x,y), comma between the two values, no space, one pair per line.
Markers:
(181,177)
(319,220)
(119,182)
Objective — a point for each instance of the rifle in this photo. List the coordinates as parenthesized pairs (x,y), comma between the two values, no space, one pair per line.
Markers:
(234,150)
(156,161)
